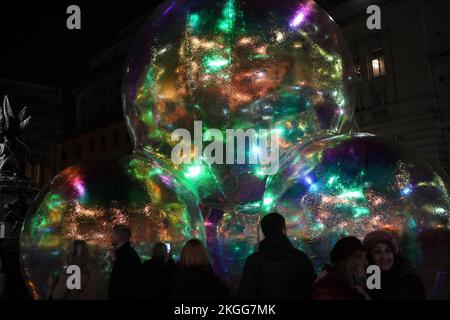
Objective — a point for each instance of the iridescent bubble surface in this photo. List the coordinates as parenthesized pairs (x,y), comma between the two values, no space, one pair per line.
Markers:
(351,185)
(231,238)
(237,64)
(85,201)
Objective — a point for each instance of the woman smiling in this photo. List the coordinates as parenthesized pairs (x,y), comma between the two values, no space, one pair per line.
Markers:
(398,281)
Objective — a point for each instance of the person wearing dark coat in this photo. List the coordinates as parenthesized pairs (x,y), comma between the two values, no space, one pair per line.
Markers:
(156,274)
(346,278)
(277,271)
(194,279)
(126,271)
(398,280)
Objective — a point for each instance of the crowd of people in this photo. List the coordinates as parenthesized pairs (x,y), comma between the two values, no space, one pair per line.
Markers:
(276,271)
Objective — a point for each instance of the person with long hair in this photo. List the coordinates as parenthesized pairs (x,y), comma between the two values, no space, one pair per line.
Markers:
(195,279)
(398,279)
(346,278)
(77,254)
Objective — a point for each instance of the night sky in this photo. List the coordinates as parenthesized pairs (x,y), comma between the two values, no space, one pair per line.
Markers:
(36,46)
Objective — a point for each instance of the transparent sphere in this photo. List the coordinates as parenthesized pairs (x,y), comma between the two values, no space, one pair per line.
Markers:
(85,201)
(231,238)
(352,185)
(234,64)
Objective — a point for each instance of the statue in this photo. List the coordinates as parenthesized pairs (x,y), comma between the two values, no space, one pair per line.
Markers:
(16,194)
(13,152)
(14,213)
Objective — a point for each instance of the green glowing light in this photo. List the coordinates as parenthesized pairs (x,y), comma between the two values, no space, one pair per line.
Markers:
(260,173)
(193,172)
(332,180)
(358,212)
(259,56)
(279,131)
(156,171)
(148,83)
(318,226)
(194,21)
(215,63)
(341,102)
(54,201)
(157,133)
(148,117)
(268,201)
(226,24)
(355,194)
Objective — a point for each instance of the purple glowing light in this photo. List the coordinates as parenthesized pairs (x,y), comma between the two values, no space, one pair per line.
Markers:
(300,16)
(168,181)
(208,224)
(169,8)
(78,184)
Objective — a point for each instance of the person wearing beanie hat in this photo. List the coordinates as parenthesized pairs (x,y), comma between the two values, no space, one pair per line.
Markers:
(344,248)
(382,248)
(346,278)
(398,281)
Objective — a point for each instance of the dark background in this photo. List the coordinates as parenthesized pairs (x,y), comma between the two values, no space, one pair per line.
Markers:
(36,46)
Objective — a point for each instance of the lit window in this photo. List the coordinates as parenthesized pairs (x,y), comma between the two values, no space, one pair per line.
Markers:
(377,59)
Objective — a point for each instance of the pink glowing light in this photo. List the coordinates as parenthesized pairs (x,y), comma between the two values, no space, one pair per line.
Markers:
(166,180)
(300,16)
(78,184)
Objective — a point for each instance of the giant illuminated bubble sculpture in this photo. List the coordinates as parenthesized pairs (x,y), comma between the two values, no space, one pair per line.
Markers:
(85,201)
(233,64)
(354,184)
